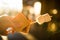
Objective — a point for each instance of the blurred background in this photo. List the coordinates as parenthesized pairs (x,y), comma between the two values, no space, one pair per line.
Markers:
(31,9)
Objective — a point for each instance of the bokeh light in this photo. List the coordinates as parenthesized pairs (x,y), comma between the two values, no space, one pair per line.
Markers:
(37,8)
(52,27)
(54,11)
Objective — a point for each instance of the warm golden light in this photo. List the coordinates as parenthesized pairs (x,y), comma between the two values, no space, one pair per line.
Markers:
(37,8)
(31,10)
(54,11)
(11,4)
(52,27)
(3,15)
(4,37)
(1,11)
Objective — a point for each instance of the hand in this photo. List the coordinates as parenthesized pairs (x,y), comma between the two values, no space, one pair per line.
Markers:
(47,17)
(40,19)
(43,18)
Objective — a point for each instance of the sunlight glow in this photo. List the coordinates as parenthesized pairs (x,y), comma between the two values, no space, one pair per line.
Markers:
(4,15)
(11,4)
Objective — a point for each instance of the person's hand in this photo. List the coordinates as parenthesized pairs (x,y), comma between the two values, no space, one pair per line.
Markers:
(40,19)
(43,18)
(47,17)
